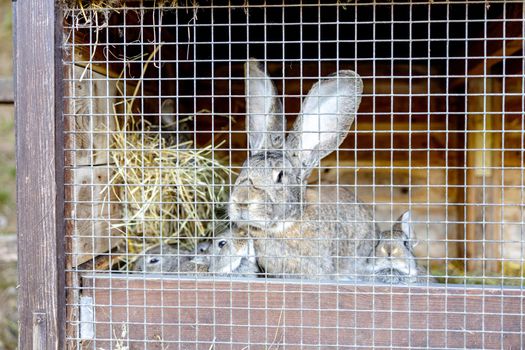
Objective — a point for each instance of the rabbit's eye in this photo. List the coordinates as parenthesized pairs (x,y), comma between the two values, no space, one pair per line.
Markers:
(222,244)
(407,245)
(279,177)
(154,260)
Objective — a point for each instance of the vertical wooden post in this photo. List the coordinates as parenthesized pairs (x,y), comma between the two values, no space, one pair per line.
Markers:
(483,162)
(494,230)
(38,101)
(474,158)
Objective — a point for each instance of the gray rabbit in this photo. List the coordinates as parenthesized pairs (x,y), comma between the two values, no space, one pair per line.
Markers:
(232,253)
(393,259)
(175,129)
(197,265)
(300,230)
(168,258)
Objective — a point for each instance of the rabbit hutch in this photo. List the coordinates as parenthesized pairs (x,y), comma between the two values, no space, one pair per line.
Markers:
(369,136)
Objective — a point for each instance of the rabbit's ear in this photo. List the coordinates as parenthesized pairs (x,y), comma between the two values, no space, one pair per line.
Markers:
(167,110)
(404,223)
(265,121)
(326,116)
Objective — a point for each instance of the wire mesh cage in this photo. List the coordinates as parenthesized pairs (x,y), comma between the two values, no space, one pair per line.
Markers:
(300,175)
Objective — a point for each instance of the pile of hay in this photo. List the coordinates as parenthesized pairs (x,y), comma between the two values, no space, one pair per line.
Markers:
(169,193)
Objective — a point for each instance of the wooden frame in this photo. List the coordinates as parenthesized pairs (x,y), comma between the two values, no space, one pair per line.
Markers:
(204,314)
(38,108)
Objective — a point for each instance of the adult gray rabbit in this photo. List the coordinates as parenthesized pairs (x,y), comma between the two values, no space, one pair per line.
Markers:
(393,260)
(300,230)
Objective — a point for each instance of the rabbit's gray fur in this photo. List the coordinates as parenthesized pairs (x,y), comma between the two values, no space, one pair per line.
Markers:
(299,231)
(393,260)
(167,258)
(174,128)
(162,258)
(198,264)
(232,253)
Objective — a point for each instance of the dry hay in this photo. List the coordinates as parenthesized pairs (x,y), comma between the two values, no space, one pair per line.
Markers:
(118,4)
(169,193)
(512,274)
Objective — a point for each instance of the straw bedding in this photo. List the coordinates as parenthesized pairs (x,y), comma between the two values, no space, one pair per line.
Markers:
(170,193)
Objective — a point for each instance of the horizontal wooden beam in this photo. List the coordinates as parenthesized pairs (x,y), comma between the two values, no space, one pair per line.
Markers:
(159,313)
(495,55)
(501,40)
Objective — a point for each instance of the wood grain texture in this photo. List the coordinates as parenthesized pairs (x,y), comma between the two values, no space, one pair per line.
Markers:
(39,177)
(182,314)
(92,209)
(90,124)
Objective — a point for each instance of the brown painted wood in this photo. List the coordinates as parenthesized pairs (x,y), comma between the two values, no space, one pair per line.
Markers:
(170,313)
(39,174)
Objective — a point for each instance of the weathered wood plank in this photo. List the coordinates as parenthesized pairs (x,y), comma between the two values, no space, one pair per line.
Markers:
(202,314)
(90,123)
(39,174)
(94,208)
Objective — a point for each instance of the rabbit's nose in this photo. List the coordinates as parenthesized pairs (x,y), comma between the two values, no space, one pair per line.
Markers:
(243,209)
(396,252)
(242,206)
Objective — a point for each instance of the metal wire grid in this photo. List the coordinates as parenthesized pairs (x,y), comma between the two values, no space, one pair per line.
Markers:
(429,126)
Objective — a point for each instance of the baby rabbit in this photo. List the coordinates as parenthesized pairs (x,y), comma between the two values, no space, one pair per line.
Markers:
(162,258)
(232,253)
(175,130)
(202,247)
(167,258)
(198,264)
(300,231)
(393,260)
